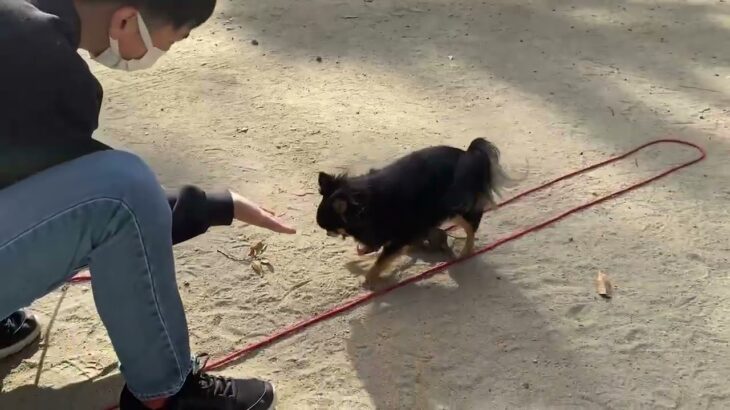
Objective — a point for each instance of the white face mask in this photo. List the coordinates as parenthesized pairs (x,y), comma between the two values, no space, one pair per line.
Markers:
(112,59)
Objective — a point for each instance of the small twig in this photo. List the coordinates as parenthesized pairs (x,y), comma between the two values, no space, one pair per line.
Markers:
(699,88)
(300,284)
(47,341)
(233,258)
(613,113)
(295,287)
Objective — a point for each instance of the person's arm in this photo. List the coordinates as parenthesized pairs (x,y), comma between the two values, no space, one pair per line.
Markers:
(194,211)
(49,118)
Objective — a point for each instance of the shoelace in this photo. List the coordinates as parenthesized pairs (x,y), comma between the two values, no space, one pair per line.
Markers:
(212,386)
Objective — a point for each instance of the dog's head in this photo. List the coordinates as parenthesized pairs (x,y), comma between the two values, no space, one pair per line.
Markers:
(340,208)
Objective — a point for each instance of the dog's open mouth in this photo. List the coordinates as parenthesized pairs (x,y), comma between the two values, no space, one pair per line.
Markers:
(364,249)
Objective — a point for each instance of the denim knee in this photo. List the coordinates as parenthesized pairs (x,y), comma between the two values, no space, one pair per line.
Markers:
(129,179)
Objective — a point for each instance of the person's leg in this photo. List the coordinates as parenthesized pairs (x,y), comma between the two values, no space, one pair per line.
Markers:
(107,210)
(189,208)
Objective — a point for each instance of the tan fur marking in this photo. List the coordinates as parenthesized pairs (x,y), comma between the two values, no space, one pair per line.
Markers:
(381,264)
(340,206)
(469,246)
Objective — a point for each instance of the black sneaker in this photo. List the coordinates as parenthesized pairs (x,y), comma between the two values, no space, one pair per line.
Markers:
(203,391)
(16,332)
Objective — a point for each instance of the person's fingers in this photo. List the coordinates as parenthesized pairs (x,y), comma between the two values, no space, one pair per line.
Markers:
(274,224)
(282,228)
(250,212)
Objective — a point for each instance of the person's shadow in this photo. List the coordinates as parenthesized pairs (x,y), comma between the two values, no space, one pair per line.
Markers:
(99,393)
(466,340)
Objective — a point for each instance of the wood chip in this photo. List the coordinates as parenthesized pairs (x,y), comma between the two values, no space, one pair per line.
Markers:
(256,266)
(265,262)
(603,285)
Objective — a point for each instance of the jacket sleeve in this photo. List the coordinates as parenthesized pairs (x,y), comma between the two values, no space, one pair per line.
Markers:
(19,160)
(194,211)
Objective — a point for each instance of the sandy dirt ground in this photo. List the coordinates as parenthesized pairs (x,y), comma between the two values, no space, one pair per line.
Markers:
(335,85)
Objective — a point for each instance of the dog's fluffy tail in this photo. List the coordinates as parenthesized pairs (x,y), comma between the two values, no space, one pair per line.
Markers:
(498,178)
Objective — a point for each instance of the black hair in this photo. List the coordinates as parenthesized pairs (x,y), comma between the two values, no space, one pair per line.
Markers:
(179,13)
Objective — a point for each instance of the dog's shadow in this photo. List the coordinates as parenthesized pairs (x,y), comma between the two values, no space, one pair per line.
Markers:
(428,253)
(471,341)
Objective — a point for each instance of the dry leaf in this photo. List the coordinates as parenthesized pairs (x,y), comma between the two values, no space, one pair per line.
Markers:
(256,266)
(603,285)
(265,262)
(257,249)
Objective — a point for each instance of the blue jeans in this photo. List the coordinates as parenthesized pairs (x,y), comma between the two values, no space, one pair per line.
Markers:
(108,211)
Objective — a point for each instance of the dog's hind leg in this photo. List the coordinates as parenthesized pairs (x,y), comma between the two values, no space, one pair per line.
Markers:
(385,259)
(469,223)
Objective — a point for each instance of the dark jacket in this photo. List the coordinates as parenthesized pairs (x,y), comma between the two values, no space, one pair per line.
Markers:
(50,103)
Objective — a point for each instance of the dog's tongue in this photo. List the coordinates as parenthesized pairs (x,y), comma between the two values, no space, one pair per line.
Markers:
(363,250)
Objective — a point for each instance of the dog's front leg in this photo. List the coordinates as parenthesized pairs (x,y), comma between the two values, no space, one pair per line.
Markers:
(469,230)
(385,259)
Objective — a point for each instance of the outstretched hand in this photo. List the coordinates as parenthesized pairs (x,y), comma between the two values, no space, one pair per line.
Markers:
(249,212)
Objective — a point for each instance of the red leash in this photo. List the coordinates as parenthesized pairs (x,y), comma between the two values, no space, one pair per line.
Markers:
(361,299)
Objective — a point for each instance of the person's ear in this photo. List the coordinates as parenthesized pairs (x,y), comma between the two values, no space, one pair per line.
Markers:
(123,23)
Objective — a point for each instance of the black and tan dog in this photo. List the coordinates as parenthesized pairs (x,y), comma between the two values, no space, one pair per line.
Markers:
(400,204)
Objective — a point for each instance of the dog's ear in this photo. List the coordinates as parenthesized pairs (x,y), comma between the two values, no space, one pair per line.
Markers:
(327,183)
(340,206)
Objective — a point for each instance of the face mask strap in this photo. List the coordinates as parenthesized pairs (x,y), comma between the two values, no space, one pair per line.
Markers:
(144,33)
(112,57)
(114,45)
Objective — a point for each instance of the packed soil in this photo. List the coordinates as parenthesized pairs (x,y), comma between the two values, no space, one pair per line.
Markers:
(269,93)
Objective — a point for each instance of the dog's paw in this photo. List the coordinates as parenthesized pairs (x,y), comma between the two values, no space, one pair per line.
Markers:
(373,274)
(375,283)
(370,284)
(466,251)
(379,283)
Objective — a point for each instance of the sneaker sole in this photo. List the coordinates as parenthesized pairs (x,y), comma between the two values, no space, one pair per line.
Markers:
(11,350)
(276,398)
